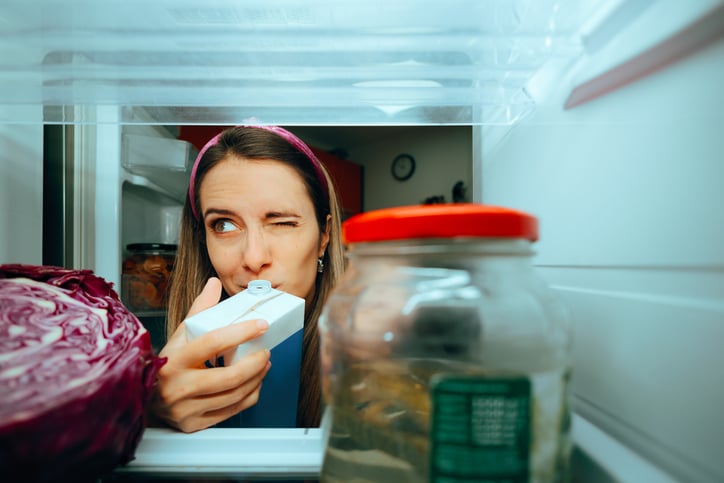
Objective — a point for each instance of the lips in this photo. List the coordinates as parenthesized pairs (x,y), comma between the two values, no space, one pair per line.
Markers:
(245,286)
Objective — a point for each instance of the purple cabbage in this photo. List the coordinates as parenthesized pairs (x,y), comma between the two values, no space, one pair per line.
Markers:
(76,375)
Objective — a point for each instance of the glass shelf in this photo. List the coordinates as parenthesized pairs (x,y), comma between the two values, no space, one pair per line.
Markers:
(318,62)
(160,164)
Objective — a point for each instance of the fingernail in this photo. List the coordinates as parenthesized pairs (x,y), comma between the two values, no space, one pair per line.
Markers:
(262,324)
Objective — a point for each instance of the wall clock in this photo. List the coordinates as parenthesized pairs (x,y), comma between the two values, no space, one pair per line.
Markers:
(403,167)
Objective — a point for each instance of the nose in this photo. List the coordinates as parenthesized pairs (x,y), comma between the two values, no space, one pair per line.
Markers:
(256,254)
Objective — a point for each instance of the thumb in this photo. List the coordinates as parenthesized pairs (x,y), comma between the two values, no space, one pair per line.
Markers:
(209,296)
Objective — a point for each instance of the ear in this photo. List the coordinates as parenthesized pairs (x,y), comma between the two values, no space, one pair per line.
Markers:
(324,239)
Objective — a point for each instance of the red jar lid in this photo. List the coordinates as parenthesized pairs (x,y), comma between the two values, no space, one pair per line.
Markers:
(448,220)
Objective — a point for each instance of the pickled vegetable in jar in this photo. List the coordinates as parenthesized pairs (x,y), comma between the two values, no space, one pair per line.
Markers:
(145,276)
(444,356)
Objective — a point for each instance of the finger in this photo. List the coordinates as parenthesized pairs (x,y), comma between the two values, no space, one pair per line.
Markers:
(205,420)
(209,296)
(191,384)
(174,343)
(217,415)
(233,395)
(221,379)
(198,413)
(219,341)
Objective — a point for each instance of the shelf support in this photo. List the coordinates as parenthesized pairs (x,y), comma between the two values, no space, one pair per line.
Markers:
(702,32)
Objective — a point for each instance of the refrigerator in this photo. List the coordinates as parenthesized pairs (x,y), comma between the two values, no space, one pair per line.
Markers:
(603,118)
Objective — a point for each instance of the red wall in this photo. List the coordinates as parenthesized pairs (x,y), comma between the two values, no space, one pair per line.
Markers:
(347,178)
(199,135)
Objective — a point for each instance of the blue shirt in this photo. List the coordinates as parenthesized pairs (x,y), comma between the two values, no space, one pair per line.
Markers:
(277,405)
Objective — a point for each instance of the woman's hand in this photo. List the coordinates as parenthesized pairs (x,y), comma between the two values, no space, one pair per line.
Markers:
(190,396)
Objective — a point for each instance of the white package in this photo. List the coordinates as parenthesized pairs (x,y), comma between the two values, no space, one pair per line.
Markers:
(283,311)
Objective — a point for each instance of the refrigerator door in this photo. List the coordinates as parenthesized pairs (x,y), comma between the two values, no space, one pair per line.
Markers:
(628,188)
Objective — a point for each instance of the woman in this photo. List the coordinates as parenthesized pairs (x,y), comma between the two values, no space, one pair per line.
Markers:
(260,206)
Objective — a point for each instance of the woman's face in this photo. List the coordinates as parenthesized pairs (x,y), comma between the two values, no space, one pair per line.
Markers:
(260,225)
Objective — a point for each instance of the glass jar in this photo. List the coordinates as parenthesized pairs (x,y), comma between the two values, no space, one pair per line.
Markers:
(444,356)
(145,276)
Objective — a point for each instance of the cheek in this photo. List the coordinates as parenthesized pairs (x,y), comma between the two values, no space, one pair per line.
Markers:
(306,273)
(222,259)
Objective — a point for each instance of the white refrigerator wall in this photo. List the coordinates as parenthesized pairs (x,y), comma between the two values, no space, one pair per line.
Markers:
(629,192)
(21,193)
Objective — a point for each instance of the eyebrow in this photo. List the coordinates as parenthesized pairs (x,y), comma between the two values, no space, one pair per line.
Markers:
(217,211)
(268,215)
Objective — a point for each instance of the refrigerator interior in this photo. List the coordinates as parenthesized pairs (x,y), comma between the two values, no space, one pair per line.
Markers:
(601,117)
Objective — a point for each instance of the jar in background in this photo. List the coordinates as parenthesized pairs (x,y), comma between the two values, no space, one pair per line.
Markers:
(145,276)
(444,356)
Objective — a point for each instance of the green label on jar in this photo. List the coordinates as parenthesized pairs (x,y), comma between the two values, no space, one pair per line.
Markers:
(480,430)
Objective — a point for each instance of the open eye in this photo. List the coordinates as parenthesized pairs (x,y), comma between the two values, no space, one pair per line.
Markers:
(221,226)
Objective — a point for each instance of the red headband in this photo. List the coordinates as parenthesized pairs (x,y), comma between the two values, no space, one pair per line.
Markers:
(281,132)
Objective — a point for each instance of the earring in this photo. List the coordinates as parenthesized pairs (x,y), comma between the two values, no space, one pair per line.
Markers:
(320,265)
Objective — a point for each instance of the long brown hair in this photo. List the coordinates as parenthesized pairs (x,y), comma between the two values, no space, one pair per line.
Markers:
(193,268)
